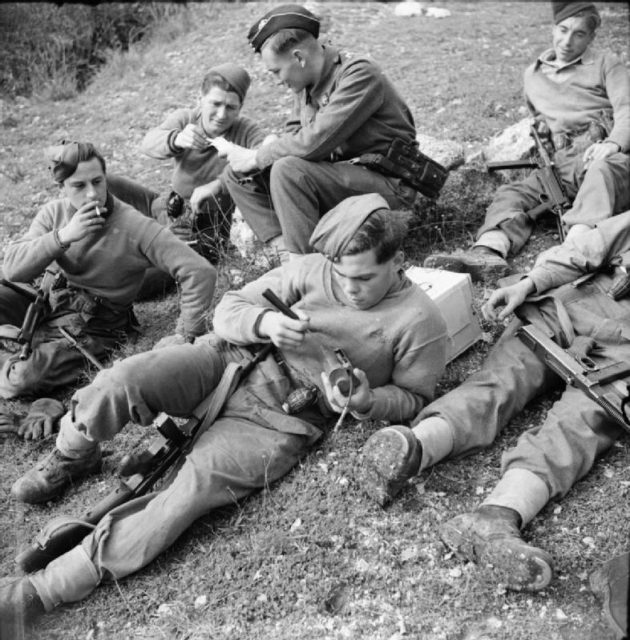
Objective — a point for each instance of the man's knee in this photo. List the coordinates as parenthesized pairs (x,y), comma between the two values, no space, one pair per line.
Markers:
(288,169)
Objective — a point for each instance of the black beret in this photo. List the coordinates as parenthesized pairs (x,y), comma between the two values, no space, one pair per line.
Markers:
(564,10)
(285,16)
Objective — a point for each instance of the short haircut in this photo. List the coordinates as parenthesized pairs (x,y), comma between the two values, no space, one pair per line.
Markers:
(384,230)
(593,19)
(213,79)
(286,39)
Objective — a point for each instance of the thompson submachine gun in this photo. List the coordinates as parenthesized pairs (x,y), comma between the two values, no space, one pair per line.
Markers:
(608,385)
(139,472)
(554,197)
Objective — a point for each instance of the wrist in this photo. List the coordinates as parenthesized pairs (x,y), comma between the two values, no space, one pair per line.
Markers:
(363,412)
(61,239)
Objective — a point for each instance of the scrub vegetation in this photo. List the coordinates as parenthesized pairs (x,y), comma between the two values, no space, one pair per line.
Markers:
(311,557)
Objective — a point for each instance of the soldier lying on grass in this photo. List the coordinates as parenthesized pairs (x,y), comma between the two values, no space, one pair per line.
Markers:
(549,458)
(351,295)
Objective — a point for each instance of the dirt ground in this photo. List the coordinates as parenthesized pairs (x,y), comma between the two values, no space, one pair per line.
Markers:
(311,557)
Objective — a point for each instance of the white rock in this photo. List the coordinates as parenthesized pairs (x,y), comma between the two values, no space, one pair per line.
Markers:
(513,143)
(200,602)
(241,235)
(437,12)
(448,153)
(408,9)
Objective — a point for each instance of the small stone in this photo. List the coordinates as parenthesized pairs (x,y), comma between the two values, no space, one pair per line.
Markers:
(200,601)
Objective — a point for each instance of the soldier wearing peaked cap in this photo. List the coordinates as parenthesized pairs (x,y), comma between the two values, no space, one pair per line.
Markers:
(343,108)
(358,300)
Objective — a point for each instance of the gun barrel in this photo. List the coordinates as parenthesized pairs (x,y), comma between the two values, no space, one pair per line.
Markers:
(511,164)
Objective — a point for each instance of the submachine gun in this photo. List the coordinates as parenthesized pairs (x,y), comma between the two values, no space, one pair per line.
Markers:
(35,311)
(608,385)
(554,198)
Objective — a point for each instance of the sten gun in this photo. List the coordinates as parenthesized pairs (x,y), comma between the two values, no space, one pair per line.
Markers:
(608,384)
(34,313)
(554,197)
(139,472)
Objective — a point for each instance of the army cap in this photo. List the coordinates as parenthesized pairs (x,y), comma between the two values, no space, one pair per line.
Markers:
(285,16)
(564,10)
(338,227)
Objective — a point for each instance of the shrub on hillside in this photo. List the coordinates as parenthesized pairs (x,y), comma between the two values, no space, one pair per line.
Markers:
(54,50)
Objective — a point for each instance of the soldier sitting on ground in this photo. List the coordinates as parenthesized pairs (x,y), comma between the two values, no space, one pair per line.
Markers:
(549,458)
(198,196)
(352,295)
(94,251)
(342,108)
(581,98)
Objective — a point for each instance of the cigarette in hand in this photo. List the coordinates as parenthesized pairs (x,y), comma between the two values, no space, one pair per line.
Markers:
(98,211)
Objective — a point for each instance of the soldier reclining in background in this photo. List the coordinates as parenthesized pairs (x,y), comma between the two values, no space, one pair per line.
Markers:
(582,98)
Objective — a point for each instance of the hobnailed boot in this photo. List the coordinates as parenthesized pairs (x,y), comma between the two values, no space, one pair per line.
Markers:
(54,473)
(610,583)
(391,456)
(20,606)
(482,263)
(491,536)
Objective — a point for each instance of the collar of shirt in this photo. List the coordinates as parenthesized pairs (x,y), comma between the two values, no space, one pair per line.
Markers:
(547,60)
(320,93)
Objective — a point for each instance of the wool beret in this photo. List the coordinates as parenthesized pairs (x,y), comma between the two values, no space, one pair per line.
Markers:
(236,76)
(564,10)
(285,16)
(336,229)
(63,159)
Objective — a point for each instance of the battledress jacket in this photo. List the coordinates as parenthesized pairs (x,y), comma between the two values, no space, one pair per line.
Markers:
(353,109)
(111,263)
(400,343)
(602,251)
(195,167)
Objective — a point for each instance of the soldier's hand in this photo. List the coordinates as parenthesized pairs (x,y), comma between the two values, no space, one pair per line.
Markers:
(203,193)
(284,332)
(361,399)
(86,221)
(42,418)
(191,137)
(599,151)
(507,297)
(241,159)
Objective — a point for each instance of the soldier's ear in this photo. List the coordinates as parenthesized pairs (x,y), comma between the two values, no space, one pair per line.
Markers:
(299,57)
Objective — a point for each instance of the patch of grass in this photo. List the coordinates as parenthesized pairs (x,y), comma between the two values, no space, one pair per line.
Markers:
(311,557)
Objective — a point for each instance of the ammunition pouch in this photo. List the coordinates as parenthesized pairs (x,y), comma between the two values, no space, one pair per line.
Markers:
(406,162)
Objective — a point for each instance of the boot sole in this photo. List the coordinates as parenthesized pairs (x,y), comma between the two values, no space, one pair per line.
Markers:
(519,569)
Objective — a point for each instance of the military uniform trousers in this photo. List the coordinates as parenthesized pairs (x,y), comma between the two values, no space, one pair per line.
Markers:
(251,444)
(292,197)
(53,362)
(574,432)
(598,193)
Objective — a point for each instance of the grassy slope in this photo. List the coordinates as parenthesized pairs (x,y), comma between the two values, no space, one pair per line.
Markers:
(312,557)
